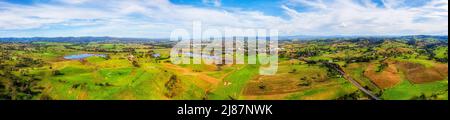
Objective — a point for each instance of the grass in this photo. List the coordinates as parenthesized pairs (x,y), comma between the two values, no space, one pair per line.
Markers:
(86,80)
(142,84)
(406,90)
(74,70)
(317,58)
(127,83)
(165,53)
(115,63)
(146,85)
(426,63)
(441,52)
(300,95)
(113,74)
(238,81)
(193,89)
(198,67)
(356,71)
(95,59)
(223,72)
(325,93)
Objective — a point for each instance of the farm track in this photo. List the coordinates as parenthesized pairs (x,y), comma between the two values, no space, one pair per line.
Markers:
(186,71)
(229,73)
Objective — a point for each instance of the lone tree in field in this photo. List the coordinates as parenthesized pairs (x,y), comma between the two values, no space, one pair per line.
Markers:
(57,72)
(293,70)
(173,86)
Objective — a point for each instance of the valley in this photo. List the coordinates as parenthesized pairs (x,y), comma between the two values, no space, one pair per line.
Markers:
(363,68)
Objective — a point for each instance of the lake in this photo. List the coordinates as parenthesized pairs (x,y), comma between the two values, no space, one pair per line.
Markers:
(82,56)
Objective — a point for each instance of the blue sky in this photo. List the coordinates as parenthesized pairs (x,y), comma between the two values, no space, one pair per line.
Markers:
(158,18)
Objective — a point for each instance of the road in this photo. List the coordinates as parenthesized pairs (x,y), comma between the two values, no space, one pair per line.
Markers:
(359,86)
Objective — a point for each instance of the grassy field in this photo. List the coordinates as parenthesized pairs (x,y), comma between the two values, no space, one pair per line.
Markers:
(441,52)
(236,82)
(113,79)
(391,69)
(341,87)
(116,78)
(356,71)
(406,90)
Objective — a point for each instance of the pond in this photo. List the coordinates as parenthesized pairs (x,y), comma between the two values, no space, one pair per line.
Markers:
(82,56)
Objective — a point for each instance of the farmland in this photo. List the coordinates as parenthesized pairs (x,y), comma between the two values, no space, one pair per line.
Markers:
(396,68)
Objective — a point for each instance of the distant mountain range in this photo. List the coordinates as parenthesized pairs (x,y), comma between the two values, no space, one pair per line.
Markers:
(78,39)
(306,37)
(148,40)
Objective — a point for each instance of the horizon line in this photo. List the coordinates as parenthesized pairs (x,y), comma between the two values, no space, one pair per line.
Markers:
(233,36)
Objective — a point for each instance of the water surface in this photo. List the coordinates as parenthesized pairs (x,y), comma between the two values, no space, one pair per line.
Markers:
(82,56)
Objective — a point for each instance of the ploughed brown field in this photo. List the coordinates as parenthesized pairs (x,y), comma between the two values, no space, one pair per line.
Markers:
(414,72)
(417,73)
(386,78)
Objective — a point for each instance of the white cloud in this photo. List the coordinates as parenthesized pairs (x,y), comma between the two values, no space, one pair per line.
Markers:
(366,18)
(26,17)
(74,1)
(156,18)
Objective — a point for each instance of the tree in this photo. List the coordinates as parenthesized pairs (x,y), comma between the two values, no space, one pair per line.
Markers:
(107,57)
(293,70)
(135,63)
(173,86)
(57,73)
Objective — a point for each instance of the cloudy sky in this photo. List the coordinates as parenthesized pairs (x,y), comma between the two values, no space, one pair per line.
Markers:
(158,18)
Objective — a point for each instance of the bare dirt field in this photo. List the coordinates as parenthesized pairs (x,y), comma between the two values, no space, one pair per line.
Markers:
(386,78)
(418,73)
